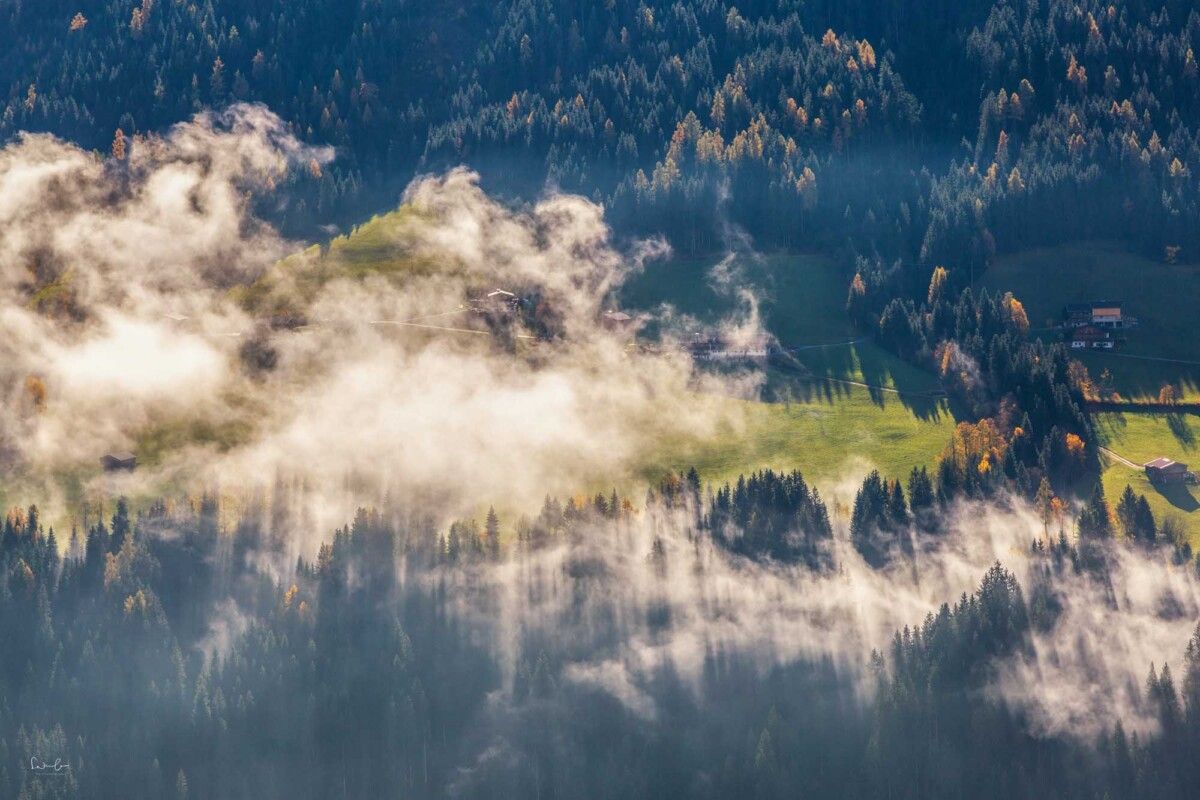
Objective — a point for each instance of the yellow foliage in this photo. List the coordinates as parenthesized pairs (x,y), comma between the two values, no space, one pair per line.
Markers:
(989,177)
(937,283)
(1016,313)
(980,443)
(1077,74)
(1016,184)
(860,111)
(136,603)
(866,55)
(1002,148)
(806,185)
(717,112)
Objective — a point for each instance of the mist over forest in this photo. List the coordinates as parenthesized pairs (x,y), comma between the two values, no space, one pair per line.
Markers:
(536,399)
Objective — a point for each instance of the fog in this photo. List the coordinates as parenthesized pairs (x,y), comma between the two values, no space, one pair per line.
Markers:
(617,617)
(138,302)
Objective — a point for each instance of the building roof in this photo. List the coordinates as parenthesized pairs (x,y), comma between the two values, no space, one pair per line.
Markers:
(617,316)
(1164,463)
(122,456)
(500,293)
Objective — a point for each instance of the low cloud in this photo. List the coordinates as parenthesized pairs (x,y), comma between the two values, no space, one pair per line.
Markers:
(614,618)
(144,307)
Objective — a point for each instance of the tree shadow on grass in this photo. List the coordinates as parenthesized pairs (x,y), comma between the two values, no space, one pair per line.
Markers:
(1179,496)
(1181,428)
(829,374)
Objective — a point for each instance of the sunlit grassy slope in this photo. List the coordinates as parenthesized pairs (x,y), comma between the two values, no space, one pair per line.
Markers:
(825,437)
(817,420)
(376,247)
(1164,298)
(1142,437)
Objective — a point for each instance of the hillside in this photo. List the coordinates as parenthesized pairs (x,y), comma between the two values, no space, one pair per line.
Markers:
(1164,347)
(1142,437)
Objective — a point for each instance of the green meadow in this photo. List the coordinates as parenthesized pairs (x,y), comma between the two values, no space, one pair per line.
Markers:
(1164,298)
(827,437)
(834,410)
(1142,437)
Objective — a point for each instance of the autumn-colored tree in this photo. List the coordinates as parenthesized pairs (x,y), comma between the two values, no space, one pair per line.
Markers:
(1002,148)
(980,445)
(937,285)
(1058,510)
(866,55)
(118,145)
(1078,376)
(1016,313)
(1075,447)
(806,184)
(856,302)
(78,22)
(1168,394)
(1016,184)
(1077,75)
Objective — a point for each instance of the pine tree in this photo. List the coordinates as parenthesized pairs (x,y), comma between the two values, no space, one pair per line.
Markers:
(491,530)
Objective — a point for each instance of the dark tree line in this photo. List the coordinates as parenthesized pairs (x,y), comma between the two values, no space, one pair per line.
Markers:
(162,655)
(930,133)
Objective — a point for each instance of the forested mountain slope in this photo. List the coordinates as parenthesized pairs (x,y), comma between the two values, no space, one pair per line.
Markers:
(924,131)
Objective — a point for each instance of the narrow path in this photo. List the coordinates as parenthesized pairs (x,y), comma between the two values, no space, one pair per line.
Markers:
(1153,358)
(798,348)
(1119,458)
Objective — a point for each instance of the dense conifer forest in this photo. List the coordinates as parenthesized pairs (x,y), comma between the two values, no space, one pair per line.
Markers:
(925,133)
(376,668)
